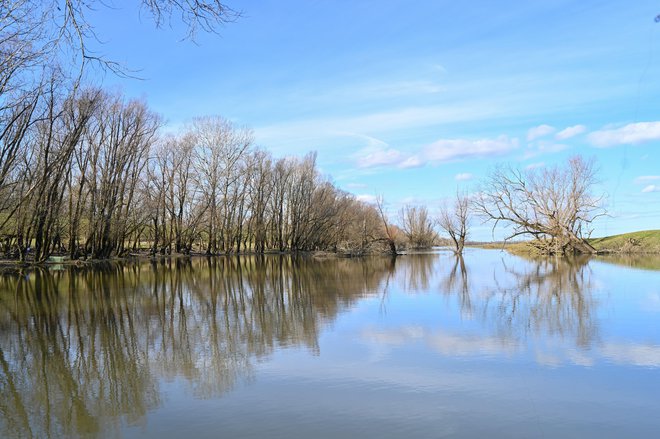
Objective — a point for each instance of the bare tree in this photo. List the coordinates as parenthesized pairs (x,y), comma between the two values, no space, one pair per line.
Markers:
(417,226)
(389,232)
(36,33)
(455,221)
(554,205)
(220,154)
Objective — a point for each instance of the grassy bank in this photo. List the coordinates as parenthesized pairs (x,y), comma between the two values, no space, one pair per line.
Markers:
(643,242)
(647,241)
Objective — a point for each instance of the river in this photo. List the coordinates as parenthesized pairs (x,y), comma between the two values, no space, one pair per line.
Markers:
(421,346)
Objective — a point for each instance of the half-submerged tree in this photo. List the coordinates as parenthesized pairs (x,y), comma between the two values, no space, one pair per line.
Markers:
(417,226)
(455,221)
(554,205)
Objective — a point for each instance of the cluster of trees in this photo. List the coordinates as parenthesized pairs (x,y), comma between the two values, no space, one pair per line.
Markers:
(212,187)
(91,177)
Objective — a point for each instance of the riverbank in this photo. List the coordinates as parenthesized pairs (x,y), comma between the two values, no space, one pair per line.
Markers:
(58,261)
(634,243)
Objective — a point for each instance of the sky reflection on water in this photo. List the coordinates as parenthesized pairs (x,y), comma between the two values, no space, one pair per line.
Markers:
(422,346)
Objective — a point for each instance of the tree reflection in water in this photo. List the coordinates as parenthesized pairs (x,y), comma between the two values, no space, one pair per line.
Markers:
(83,350)
(544,297)
(551,296)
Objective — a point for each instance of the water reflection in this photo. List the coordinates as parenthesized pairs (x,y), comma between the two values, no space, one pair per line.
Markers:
(552,296)
(84,352)
(456,283)
(83,349)
(641,261)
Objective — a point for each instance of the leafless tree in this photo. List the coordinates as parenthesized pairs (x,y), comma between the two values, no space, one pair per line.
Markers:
(36,33)
(455,220)
(417,226)
(389,232)
(120,138)
(555,205)
(221,149)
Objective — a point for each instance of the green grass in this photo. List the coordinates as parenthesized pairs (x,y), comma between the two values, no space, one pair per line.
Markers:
(647,241)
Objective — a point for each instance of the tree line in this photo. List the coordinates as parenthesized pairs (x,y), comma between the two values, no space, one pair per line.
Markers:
(89,175)
(92,177)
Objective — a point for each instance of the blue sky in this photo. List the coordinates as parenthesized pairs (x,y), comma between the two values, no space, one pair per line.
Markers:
(411,100)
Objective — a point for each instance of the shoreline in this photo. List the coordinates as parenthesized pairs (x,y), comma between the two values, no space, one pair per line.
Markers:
(143,257)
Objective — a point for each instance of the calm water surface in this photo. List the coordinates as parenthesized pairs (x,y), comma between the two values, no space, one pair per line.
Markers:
(427,346)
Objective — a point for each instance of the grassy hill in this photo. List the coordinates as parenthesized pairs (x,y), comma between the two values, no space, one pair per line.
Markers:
(647,241)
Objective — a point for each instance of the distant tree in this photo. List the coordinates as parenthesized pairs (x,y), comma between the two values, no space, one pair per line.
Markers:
(389,230)
(417,225)
(455,220)
(555,205)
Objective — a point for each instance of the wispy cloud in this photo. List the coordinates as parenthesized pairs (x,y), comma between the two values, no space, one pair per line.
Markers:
(366,198)
(635,354)
(376,153)
(371,157)
(377,122)
(379,153)
(552,354)
(569,132)
(632,134)
(543,147)
(445,150)
(411,162)
(465,176)
(646,178)
(651,188)
(539,131)
(535,165)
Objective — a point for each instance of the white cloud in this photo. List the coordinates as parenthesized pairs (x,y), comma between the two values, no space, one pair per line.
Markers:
(376,153)
(633,133)
(411,162)
(539,131)
(543,147)
(646,178)
(379,153)
(465,176)
(380,157)
(356,185)
(305,131)
(550,147)
(445,150)
(465,345)
(449,344)
(535,165)
(553,355)
(366,198)
(569,132)
(635,354)
(651,188)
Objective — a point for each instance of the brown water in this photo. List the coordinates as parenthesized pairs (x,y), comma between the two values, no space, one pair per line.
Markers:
(425,346)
